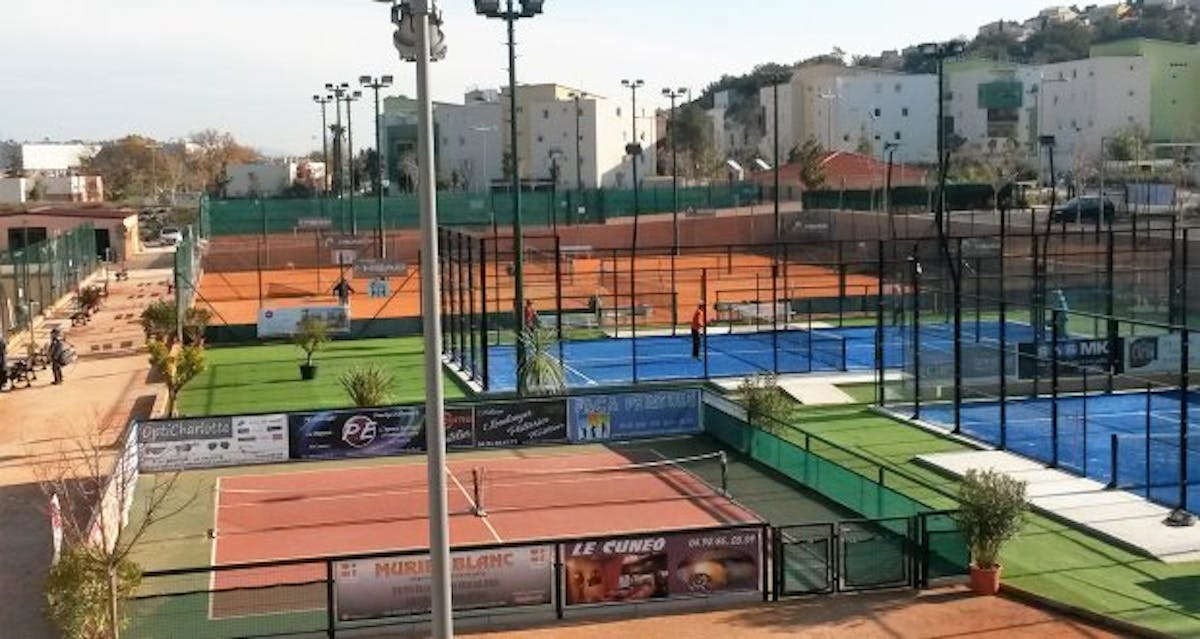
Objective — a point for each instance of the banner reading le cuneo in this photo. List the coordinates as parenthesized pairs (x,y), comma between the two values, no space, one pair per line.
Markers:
(634,568)
(395,586)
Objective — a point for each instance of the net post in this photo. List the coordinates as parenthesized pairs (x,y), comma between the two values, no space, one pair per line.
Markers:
(330,601)
(775,313)
(704,315)
(915,274)
(1055,314)
(880,397)
(483,310)
(724,474)
(1149,404)
(1112,460)
(1184,377)
(558,581)
(477,491)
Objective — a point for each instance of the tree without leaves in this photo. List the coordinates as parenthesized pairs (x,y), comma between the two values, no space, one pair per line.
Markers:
(84,590)
(214,152)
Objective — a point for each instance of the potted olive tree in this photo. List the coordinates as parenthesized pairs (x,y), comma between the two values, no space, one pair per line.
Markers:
(991,511)
(311,333)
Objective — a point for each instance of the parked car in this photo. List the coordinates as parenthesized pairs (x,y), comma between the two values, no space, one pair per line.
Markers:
(170,236)
(1084,209)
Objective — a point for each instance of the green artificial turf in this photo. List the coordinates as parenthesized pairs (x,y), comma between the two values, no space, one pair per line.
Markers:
(259,379)
(1048,558)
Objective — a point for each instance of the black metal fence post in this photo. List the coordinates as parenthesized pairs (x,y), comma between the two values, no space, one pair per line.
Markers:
(704,300)
(1054,387)
(880,369)
(915,268)
(1114,441)
(483,311)
(957,273)
(558,294)
(472,318)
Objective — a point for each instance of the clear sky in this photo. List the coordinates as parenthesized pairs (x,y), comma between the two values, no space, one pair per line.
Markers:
(97,69)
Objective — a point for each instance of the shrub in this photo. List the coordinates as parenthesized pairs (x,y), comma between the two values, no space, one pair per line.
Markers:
(367,385)
(78,596)
(991,511)
(764,401)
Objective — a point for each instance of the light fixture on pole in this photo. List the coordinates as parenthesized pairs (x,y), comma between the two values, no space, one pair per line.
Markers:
(382,82)
(419,38)
(673,95)
(339,174)
(350,99)
(510,14)
(324,100)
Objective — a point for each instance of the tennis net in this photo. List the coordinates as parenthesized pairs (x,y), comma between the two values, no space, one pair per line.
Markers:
(697,476)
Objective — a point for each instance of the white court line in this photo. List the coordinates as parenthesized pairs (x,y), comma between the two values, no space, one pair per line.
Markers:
(474,506)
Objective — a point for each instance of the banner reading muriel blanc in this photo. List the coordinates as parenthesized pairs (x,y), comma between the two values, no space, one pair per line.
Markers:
(400,585)
(640,567)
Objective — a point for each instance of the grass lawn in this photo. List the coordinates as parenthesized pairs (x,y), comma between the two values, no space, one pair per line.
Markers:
(257,379)
(1048,558)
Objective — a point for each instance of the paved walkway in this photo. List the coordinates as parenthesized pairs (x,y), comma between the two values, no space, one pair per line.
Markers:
(947,612)
(1119,516)
(106,387)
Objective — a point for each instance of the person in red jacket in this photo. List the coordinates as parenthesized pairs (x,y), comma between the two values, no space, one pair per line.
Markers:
(697,329)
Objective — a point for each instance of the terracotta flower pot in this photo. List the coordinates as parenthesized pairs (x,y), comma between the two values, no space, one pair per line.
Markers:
(985,581)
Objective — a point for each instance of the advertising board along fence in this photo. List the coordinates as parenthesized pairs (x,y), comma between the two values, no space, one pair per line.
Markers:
(351,433)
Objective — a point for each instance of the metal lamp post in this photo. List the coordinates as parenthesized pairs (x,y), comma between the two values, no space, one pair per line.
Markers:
(940,51)
(339,174)
(510,15)
(382,82)
(674,94)
(634,150)
(576,97)
(323,101)
(418,38)
(350,99)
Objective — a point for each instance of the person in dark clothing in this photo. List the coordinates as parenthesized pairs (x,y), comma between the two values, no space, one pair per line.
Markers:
(698,322)
(531,317)
(343,290)
(3,362)
(58,355)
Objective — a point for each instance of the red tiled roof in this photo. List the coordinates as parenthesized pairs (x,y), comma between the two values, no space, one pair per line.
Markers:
(848,171)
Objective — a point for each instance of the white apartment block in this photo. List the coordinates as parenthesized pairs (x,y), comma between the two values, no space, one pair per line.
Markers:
(55,159)
(265,179)
(993,103)
(883,108)
(472,140)
(1085,100)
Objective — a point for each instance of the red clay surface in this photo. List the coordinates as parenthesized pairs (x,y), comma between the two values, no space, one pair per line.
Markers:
(235,296)
(363,510)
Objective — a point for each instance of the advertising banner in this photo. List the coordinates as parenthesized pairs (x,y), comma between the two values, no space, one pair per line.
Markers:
(313,224)
(365,268)
(180,444)
(521,423)
(371,432)
(634,415)
(1160,353)
(622,569)
(281,322)
(394,586)
(1035,360)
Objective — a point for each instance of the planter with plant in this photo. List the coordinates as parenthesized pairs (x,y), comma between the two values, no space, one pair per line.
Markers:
(542,373)
(311,334)
(991,512)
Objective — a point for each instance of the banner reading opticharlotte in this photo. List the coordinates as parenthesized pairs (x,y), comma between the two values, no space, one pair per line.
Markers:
(211,442)
(400,585)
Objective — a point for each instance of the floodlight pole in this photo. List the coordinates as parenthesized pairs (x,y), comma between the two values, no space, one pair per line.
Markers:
(376,84)
(414,41)
(323,101)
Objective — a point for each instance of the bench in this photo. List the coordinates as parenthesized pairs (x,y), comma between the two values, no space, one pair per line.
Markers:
(80,318)
(20,371)
(579,250)
(122,275)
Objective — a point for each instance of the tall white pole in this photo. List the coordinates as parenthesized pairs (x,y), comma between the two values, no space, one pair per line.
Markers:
(435,437)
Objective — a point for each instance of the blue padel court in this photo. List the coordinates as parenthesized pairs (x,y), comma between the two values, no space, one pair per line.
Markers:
(1146,426)
(611,361)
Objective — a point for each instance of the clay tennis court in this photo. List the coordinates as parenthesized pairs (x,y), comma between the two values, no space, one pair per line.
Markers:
(344,511)
(235,296)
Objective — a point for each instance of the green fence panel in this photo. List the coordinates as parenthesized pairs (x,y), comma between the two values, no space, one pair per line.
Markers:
(948,555)
(875,553)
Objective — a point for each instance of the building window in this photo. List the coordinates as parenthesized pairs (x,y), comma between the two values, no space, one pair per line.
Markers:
(899,87)
(845,138)
(545,114)
(1131,93)
(904,112)
(618,112)
(462,141)
(539,139)
(878,112)
(877,137)
(896,136)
